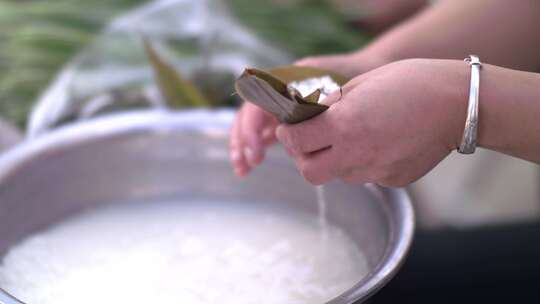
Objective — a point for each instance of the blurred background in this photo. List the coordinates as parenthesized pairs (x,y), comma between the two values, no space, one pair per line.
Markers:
(41,38)
(68,60)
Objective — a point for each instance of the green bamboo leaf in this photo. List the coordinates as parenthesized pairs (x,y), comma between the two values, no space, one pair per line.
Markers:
(313,97)
(177,91)
(258,91)
(275,82)
(269,90)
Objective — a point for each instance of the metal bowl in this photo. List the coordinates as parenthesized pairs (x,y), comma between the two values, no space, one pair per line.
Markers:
(149,154)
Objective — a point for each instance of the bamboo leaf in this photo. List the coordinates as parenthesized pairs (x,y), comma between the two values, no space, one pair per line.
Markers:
(269,90)
(273,81)
(177,91)
(313,97)
(261,93)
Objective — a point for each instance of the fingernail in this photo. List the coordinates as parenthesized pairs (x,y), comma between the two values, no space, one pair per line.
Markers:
(250,156)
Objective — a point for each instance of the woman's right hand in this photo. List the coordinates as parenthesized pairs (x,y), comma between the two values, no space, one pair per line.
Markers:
(254,128)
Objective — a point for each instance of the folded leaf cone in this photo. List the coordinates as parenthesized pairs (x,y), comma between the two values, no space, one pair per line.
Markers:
(270,91)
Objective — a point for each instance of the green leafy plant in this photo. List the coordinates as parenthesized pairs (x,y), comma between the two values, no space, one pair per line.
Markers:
(304,27)
(38,37)
(177,90)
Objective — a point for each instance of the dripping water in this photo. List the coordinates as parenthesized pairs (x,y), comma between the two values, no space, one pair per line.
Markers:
(321,205)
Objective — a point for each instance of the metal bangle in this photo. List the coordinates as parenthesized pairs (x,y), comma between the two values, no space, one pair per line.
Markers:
(468,142)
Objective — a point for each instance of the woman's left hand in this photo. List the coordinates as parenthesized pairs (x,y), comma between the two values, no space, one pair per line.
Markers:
(391,126)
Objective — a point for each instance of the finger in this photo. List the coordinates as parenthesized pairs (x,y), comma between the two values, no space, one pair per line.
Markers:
(269,135)
(314,61)
(344,64)
(320,167)
(335,96)
(329,62)
(342,92)
(253,125)
(308,136)
(238,161)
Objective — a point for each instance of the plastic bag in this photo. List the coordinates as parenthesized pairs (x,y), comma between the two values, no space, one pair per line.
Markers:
(201,39)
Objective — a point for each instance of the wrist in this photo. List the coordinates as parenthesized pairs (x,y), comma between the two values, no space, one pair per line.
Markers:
(497,87)
(451,83)
(443,88)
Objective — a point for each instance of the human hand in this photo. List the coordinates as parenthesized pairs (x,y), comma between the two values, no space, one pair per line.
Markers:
(254,128)
(391,126)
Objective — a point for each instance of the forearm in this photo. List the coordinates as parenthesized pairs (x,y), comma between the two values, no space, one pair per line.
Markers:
(379,15)
(509,113)
(502,32)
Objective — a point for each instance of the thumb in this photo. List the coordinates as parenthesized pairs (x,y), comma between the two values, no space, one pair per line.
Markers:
(333,98)
(342,92)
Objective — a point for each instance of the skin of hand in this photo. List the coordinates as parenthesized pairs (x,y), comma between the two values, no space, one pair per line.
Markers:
(448,29)
(396,123)
(252,131)
(254,128)
(391,126)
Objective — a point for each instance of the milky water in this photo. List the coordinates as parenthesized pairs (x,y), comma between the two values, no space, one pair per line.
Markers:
(321,206)
(184,252)
(327,86)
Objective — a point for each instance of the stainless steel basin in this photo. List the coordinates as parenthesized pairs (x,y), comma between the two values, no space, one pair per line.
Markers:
(150,154)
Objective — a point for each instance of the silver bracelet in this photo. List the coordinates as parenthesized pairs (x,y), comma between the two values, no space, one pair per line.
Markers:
(468,142)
